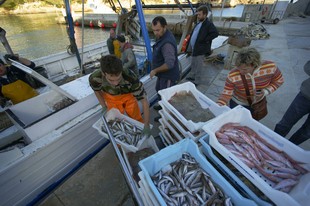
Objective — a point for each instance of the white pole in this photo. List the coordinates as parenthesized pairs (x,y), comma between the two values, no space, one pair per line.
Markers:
(223,3)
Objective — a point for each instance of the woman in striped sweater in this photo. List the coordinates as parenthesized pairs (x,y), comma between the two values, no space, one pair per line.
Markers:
(262,77)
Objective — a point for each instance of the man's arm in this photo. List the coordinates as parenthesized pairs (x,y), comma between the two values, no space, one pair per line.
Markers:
(146,111)
(211,33)
(169,55)
(100,98)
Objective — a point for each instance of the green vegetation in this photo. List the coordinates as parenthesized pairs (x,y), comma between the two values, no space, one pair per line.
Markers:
(13,4)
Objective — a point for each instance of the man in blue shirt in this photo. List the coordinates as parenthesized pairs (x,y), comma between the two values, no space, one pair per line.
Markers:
(200,43)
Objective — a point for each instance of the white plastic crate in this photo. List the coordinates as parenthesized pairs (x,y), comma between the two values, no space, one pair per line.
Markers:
(164,112)
(167,138)
(166,156)
(148,143)
(169,127)
(203,100)
(147,190)
(113,114)
(299,195)
(145,198)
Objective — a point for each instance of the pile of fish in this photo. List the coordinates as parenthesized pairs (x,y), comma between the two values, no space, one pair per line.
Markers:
(186,103)
(276,166)
(184,182)
(125,132)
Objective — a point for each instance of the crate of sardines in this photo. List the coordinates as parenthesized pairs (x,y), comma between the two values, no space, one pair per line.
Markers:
(191,107)
(180,175)
(126,131)
(277,167)
(246,188)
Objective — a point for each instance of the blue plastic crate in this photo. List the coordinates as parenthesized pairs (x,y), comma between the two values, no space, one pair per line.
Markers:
(152,164)
(206,149)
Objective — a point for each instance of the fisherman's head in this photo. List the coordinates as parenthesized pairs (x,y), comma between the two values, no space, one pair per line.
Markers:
(202,13)
(112,33)
(111,68)
(2,68)
(121,39)
(159,26)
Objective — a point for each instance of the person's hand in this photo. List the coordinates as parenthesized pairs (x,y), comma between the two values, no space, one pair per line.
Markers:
(152,74)
(188,54)
(104,110)
(259,95)
(146,130)
(10,56)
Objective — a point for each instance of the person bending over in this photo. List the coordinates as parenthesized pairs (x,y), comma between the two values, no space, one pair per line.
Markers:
(117,88)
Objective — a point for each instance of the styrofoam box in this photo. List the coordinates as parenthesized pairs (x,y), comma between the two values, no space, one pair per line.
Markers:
(147,189)
(113,114)
(152,164)
(203,100)
(206,149)
(299,195)
(148,143)
(164,112)
(169,127)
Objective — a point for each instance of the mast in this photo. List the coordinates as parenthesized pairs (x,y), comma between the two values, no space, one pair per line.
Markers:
(145,33)
(73,48)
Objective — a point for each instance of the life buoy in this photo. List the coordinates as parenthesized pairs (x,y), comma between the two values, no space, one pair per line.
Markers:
(185,42)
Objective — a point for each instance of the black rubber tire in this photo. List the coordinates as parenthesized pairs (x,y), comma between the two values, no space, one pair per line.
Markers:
(275,21)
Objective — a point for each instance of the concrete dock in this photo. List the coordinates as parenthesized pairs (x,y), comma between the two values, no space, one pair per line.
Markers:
(101,182)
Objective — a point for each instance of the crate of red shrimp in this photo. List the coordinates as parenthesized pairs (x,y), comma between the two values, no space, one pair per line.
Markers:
(191,107)
(277,167)
(180,175)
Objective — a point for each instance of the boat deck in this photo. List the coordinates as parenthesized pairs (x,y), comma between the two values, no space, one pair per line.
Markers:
(101,182)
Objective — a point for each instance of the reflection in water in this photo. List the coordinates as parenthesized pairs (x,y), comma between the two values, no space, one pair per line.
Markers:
(37,35)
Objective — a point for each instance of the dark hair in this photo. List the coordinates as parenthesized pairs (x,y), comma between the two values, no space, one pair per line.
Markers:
(161,20)
(204,9)
(110,64)
(121,38)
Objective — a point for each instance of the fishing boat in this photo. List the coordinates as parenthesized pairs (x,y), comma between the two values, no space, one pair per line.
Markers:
(56,127)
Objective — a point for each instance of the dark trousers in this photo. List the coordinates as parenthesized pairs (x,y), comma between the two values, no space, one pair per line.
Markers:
(298,108)
(233,104)
(162,83)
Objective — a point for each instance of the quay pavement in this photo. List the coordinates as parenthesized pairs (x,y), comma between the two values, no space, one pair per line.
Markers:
(101,182)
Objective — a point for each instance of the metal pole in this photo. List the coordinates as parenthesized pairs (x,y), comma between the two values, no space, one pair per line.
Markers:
(71,33)
(191,6)
(5,42)
(223,3)
(82,67)
(144,33)
(128,176)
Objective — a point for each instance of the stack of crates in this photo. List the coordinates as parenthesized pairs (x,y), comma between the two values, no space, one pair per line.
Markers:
(159,161)
(174,126)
